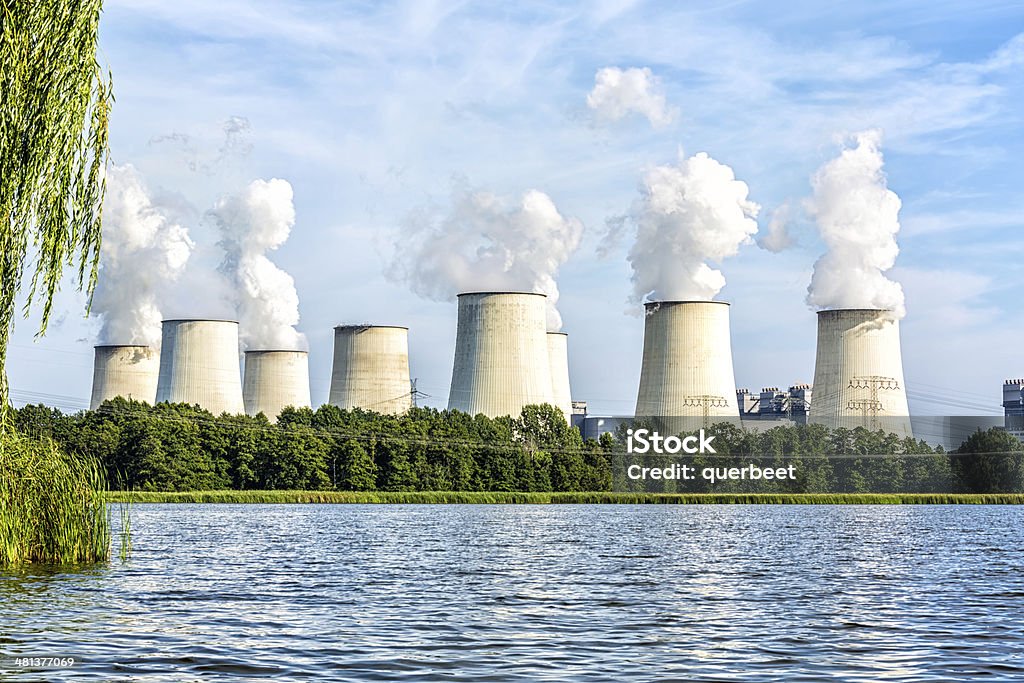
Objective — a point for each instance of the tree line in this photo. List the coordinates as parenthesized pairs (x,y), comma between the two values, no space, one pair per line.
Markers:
(179,447)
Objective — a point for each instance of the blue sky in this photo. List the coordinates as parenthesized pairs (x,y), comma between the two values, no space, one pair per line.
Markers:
(371,110)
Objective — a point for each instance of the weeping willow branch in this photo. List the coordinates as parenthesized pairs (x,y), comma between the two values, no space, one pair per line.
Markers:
(55,101)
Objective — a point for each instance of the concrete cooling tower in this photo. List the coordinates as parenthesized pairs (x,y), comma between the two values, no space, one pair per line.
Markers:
(558,358)
(124,370)
(501,354)
(199,364)
(687,364)
(858,373)
(275,380)
(371,368)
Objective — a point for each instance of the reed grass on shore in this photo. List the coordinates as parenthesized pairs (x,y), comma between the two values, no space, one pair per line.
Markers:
(52,505)
(511,497)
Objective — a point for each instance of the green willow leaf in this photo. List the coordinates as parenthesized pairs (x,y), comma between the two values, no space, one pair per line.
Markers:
(55,101)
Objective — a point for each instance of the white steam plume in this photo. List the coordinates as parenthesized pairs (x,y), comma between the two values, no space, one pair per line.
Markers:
(251,223)
(857,216)
(483,242)
(145,250)
(620,92)
(687,215)
(777,237)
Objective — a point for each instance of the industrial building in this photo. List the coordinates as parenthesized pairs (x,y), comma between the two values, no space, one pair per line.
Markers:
(579,414)
(771,407)
(1013,407)
(126,370)
(199,364)
(506,359)
(502,361)
(774,404)
(371,368)
(858,372)
(687,370)
(275,380)
(593,426)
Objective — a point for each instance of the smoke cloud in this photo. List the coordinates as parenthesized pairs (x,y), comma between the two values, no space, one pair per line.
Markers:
(617,93)
(688,215)
(857,217)
(484,242)
(251,223)
(145,250)
(777,237)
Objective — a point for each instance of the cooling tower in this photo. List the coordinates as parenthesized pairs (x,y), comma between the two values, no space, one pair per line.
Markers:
(501,354)
(275,380)
(199,364)
(858,374)
(687,363)
(558,358)
(124,370)
(371,368)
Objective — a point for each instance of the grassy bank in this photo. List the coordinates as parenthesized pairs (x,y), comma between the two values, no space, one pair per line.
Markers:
(51,505)
(476,497)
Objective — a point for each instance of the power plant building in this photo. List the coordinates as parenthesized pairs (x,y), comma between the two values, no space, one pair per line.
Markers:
(126,370)
(275,380)
(687,369)
(858,372)
(774,404)
(558,358)
(502,360)
(371,368)
(1013,407)
(199,364)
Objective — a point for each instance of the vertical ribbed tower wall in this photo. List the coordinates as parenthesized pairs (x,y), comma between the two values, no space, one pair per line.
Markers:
(126,370)
(199,364)
(558,358)
(687,366)
(501,354)
(275,380)
(371,368)
(858,372)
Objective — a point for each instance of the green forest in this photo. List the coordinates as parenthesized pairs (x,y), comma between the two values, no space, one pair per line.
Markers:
(177,447)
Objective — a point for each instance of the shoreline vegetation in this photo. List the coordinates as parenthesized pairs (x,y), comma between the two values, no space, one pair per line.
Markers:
(54,146)
(558,498)
(177,447)
(52,505)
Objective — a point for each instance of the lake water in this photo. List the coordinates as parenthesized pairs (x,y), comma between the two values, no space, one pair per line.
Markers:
(506,593)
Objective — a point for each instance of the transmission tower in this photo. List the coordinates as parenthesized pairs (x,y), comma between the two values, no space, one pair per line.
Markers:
(415,394)
(705,403)
(871,407)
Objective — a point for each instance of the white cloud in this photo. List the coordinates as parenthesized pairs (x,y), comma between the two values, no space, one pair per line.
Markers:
(483,242)
(619,92)
(777,237)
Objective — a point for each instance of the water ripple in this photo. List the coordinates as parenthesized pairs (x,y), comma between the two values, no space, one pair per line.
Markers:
(527,593)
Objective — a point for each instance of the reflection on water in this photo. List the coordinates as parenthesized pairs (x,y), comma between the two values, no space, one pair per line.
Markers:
(501,593)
